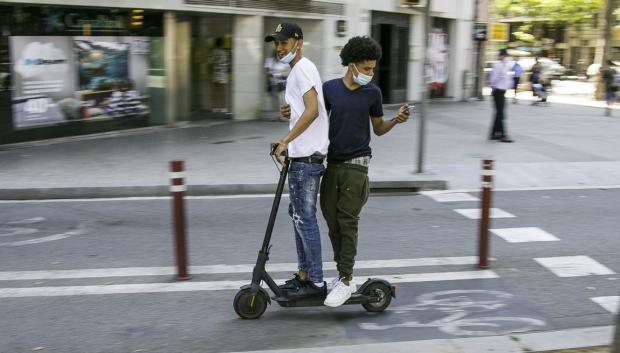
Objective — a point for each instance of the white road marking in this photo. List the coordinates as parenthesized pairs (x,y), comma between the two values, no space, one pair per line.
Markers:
(452,197)
(524,234)
(475,213)
(9,232)
(573,266)
(535,342)
(536,188)
(223,269)
(611,304)
(216,285)
(28,221)
(78,231)
(146,198)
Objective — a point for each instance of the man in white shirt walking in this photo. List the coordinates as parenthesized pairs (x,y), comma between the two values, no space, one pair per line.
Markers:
(306,143)
(500,81)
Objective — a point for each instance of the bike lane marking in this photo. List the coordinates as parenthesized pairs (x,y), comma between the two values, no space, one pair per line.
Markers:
(535,342)
(217,285)
(18,231)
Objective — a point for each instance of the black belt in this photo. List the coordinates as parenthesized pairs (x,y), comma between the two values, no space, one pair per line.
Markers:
(311,159)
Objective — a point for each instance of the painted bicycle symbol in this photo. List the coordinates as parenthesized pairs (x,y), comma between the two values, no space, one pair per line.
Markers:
(458,305)
(15,229)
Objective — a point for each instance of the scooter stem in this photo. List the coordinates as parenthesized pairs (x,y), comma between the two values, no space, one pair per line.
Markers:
(276,205)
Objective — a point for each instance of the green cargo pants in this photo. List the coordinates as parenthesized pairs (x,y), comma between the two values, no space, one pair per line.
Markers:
(344,191)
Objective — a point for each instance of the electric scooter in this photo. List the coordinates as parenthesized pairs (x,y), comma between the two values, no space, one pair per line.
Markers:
(375,295)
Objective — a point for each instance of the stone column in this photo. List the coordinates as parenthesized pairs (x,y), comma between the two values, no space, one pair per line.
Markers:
(170,65)
(247,66)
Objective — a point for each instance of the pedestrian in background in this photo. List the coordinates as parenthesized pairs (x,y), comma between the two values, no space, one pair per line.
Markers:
(608,75)
(276,72)
(518,71)
(538,83)
(500,81)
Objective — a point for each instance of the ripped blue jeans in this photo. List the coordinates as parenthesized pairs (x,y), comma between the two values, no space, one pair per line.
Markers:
(303,183)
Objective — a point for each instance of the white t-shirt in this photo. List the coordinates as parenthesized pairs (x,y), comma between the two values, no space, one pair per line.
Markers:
(315,139)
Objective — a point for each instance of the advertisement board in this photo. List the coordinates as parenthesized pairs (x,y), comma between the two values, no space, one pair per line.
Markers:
(60,79)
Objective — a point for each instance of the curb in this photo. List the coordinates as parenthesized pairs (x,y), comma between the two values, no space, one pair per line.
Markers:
(195,190)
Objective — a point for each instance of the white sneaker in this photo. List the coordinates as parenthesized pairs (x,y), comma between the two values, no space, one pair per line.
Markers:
(332,284)
(340,294)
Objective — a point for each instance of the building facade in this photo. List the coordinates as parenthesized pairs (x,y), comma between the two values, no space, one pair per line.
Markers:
(68,67)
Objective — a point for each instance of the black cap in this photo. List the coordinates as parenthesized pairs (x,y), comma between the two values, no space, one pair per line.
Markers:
(503,52)
(284,31)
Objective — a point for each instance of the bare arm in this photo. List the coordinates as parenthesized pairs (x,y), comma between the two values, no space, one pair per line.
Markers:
(382,127)
(311,103)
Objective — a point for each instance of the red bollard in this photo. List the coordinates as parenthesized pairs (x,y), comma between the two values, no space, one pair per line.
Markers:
(177,190)
(483,241)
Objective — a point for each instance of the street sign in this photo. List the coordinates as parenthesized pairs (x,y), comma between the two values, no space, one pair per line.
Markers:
(480,31)
(498,32)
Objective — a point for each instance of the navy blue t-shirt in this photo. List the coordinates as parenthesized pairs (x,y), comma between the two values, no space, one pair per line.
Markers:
(349,118)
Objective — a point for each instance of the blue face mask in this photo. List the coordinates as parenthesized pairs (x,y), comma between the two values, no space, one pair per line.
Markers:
(360,78)
(290,56)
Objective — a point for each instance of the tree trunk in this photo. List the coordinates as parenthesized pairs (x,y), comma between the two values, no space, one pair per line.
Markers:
(610,6)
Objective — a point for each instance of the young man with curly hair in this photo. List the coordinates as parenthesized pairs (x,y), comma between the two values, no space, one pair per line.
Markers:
(354,105)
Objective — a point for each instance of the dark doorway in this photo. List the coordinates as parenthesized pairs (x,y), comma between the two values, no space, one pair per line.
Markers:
(391,31)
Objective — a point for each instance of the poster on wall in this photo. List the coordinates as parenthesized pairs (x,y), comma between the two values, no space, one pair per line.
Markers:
(42,69)
(63,79)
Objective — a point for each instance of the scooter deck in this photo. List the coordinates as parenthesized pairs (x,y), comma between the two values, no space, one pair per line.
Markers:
(356,298)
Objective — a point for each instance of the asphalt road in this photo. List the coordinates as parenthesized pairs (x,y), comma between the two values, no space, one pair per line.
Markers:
(432,302)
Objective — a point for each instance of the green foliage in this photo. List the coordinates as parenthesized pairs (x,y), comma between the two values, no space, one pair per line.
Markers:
(565,11)
(524,37)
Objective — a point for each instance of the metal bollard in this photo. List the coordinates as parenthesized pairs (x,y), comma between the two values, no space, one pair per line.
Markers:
(483,241)
(177,190)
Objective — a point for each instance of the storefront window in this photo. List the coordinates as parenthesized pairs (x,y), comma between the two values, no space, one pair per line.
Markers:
(77,64)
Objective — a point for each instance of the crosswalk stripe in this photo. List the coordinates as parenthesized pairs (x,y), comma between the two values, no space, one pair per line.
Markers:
(611,303)
(216,285)
(223,269)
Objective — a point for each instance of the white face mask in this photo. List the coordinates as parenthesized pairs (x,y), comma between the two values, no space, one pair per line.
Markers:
(290,56)
(360,78)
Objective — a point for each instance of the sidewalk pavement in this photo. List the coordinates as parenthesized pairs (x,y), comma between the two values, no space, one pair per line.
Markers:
(556,146)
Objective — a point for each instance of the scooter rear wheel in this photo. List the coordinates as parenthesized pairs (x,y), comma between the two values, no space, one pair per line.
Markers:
(247,307)
(381,295)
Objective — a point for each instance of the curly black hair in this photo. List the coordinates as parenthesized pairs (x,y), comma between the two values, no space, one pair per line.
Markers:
(360,49)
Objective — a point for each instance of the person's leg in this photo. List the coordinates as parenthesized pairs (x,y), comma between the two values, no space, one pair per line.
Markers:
(516,89)
(353,191)
(353,194)
(501,105)
(308,177)
(609,98)
(295,192)
(329,201)
(495,133)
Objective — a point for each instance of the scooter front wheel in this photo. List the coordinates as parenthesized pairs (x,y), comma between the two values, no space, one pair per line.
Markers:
(249,306)
(380,297)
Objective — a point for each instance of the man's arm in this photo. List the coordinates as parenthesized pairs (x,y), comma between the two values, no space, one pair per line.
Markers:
(381,127)
(311,112)
(493,76)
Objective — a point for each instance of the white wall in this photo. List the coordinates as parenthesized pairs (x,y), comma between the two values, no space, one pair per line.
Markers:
(248,84)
